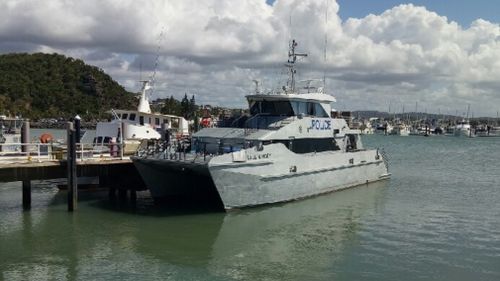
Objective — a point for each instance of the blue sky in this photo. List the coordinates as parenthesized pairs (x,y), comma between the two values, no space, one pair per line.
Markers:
(461,11)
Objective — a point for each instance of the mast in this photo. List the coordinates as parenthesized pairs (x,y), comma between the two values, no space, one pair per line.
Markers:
(257,91)
(326,42)
(292,58)
(143,101)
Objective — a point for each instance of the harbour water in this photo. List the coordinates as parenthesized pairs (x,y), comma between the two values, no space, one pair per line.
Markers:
(437,218)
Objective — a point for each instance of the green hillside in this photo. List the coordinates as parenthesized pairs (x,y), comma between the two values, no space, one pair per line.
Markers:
(52,85)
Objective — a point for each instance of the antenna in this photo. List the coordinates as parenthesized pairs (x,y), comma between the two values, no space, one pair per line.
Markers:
(257,91)
(326,43)
(157,59)
(292,58)
(140,71)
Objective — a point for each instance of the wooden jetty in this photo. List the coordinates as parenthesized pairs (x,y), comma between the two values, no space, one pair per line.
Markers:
(117,174)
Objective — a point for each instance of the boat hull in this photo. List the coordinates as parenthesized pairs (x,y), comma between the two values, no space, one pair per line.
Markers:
(268,176)
(294,176)
(173,180)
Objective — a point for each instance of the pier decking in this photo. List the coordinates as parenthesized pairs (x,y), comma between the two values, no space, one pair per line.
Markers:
(115,174)
(38,161)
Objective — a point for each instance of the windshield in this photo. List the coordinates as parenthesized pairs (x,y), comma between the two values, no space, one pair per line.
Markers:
(287,108)
(275,108)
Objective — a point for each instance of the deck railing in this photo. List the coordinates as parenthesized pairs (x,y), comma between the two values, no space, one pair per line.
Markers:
(51,152)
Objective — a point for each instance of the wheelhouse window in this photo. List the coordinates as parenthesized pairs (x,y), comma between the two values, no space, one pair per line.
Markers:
(132,117)
(308,109)
(124,116)
(275,108)
(287,108)
(319,111)
(141,119)
(157,121)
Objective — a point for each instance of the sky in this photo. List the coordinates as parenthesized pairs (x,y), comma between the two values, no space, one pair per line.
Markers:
(434,56)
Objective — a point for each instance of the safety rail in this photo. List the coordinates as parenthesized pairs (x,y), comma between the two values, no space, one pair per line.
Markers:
(50,151)
(161,148)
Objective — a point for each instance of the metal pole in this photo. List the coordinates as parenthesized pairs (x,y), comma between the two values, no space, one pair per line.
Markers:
(71,162)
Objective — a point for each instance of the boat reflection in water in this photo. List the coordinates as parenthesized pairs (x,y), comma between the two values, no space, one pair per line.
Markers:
(293,241)
(289,241)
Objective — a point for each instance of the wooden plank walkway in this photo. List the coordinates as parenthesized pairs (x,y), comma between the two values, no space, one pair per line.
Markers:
(110,171)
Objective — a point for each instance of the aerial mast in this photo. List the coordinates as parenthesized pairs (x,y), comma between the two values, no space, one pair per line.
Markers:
(292,58)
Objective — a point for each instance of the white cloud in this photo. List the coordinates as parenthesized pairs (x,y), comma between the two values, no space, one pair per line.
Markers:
(214,48)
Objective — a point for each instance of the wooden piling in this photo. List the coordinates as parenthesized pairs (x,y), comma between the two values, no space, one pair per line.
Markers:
(25,136)
(26,194)
(71,162)
(77,128)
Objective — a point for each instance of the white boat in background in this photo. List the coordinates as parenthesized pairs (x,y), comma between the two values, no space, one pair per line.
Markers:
(462,129)
(10,133)
(136,125)
(384,129)
(290,147)
(401,130)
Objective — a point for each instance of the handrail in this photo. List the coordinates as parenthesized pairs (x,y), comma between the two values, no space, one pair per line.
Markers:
(51,151)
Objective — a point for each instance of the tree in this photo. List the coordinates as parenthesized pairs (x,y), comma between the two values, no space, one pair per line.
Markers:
(52,85)
(185,106)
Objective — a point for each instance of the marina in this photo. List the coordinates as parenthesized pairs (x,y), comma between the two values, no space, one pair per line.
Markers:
(216,140)
(441,226)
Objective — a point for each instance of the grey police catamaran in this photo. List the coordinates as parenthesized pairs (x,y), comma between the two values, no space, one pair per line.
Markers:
(290,147)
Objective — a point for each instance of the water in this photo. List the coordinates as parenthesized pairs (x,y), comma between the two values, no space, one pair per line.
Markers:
(438,218)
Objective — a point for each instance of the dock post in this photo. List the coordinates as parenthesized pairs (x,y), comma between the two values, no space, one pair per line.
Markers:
(78,128)
(26,194)
(25,137)
(71,162)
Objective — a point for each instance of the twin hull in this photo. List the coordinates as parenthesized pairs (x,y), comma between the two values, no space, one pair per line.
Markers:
(251,177)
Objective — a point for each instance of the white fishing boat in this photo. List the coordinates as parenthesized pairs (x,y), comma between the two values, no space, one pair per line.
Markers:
(132,126)
(289,148)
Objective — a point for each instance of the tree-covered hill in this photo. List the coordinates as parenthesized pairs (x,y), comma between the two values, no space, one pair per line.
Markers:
(52,86)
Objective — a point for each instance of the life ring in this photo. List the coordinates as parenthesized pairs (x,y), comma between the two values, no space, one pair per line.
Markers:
(46,138)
